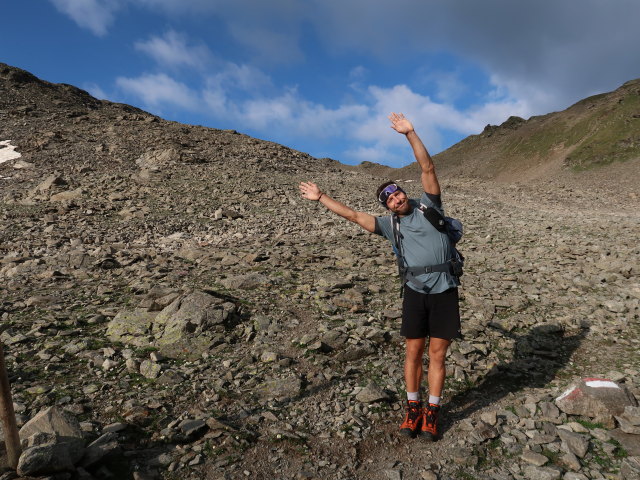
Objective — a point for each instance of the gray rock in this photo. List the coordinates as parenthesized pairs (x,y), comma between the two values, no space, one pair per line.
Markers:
(541,473)
(50,182)
(574,476)
(594,398)
(549,411)
(187,327)
(191,427)
(114,427)
(372,393)
(246,282)
(577,443)
(280,388)
(533,458)
(149,369)
(490,418)
(428,475)
(630,442)
(62,426)
(102,447)
(268,357)
(46,459)
(131,327)
(630,420)
(570,461)
(393,474)
(630,468)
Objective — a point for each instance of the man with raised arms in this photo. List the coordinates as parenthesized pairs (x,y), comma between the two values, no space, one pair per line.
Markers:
(430,311)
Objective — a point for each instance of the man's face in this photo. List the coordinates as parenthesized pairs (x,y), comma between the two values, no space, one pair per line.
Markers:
(398,203)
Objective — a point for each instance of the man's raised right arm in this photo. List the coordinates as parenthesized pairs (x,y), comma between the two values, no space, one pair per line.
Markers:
(311,191)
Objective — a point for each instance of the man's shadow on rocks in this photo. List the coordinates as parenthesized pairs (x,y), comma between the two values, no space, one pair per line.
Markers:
(537,357)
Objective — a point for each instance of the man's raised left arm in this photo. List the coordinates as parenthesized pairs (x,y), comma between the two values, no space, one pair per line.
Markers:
(428,177)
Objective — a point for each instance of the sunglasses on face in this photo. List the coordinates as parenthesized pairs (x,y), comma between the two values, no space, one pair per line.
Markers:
(387,192)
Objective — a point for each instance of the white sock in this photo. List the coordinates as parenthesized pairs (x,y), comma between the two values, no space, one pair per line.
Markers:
(413,396)
(434,400)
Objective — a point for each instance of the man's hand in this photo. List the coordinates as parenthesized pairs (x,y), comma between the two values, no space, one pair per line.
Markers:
(310,191)
(400,124)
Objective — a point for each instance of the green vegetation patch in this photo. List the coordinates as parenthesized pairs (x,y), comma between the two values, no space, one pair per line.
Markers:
(613,136)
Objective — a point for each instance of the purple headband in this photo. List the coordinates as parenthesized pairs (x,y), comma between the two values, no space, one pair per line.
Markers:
(386,193)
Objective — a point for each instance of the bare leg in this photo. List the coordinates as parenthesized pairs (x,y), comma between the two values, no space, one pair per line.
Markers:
(413,363)
(437,371)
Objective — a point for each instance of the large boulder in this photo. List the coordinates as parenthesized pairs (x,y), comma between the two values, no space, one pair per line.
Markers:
(45,459)
(597,398)
(191,324)
(280,388)
(132,327)
(54,443)
(185,328)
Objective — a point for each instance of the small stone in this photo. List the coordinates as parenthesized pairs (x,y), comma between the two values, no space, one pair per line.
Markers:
(268,357)
(534,458)
(149,369)
(574,476)
(570,461)
(490,418)
(393,474)
(190,427)
(114,427)
(577,443)
(600,434)
(630,468)
(371,393)
(630,420)
(108,364)
(542,473)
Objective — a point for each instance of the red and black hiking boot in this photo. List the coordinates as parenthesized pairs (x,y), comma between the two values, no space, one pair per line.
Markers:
(429,429)
(411,423)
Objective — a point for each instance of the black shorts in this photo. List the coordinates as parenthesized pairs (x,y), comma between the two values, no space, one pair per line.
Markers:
(430,315)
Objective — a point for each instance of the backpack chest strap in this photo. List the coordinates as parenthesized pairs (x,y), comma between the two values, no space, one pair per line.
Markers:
(442,267)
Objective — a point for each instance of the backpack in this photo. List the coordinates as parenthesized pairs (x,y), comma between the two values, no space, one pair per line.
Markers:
(454,230)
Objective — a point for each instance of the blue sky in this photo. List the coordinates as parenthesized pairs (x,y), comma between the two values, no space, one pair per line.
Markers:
(321,76)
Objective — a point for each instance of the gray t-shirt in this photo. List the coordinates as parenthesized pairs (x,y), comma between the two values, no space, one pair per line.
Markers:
(422,244)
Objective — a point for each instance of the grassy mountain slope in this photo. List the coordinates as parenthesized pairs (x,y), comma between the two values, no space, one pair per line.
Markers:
(591,134)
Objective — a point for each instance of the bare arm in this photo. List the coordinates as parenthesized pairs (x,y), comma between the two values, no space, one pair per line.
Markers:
(311,191)
(429,179)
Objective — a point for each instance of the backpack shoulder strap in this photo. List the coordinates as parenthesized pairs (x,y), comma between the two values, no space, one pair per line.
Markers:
(397,239)
(434,217)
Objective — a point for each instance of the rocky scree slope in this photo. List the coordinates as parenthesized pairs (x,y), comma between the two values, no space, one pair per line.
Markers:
(125,238)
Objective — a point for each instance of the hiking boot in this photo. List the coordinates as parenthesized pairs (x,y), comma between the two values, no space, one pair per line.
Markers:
(411,423)
(429,429)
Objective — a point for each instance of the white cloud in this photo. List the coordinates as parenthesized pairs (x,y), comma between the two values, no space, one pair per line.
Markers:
(239,77)
(90,14)
(295,116)
(289,117)
(96,91)
(268,46)
(533,57)
(547,53)
(377,154)
(157,90)
(173,50)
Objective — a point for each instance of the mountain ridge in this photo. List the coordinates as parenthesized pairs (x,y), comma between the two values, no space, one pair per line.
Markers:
(595,141)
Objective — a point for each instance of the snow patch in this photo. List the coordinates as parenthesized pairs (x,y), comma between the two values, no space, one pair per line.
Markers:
(7,151)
